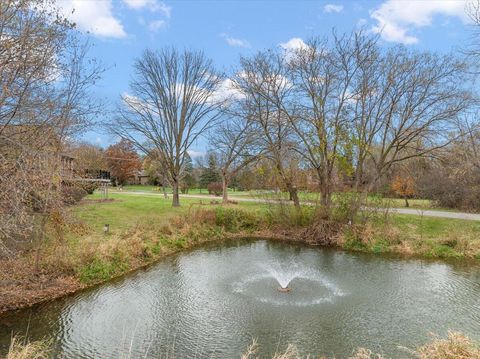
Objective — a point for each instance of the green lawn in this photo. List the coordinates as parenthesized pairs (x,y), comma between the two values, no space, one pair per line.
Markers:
(415,203)
(128,210)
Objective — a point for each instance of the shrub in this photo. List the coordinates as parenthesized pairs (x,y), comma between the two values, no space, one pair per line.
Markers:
(215,188)
(232,219)
(451,192)
(72,194)
(345,207)
(290,216)
(89,187)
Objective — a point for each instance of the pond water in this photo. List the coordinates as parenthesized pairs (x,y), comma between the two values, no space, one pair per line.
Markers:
(211,303)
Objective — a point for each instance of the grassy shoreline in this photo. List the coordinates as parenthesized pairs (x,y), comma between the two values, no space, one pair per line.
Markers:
(144,230)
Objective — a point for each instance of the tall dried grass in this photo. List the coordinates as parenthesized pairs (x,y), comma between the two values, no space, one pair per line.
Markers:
(455,346)
(22,349)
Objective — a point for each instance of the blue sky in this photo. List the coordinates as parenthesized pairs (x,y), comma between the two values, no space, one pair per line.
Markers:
(121,29)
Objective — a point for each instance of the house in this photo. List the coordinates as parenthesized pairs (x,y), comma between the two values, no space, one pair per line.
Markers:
(141,177)
(67,166)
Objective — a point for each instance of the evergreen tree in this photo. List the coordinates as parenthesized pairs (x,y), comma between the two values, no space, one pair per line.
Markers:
(188,180)
(210,174)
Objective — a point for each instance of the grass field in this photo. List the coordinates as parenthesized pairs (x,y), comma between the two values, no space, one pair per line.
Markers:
(409,234)
(415,203)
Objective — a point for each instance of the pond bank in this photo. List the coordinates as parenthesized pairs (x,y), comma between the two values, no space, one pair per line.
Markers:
(85,257)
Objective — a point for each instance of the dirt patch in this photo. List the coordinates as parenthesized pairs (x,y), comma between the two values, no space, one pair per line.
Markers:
(26,294)
(21,288)
(93,201)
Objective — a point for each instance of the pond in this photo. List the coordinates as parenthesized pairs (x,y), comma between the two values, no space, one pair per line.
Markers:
(211,303)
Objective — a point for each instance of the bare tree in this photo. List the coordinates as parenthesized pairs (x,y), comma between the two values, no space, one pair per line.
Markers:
(260,81)
(410,109)
(324,75)
(472,9)
(344,104)
(173,101)
(234,142)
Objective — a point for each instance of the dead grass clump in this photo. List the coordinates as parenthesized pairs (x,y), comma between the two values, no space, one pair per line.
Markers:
(322,232)
(251,351)
(363,353)
(166,229)
(290,353)
(455,346)
(201,216)
(21,349)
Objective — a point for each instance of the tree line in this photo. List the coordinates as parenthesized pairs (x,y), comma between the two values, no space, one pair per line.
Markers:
(341,107)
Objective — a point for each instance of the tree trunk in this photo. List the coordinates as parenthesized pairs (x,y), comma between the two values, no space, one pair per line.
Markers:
(40,238)
(176,197)
(225,188)
(326,195)
(406,202)
(293,193)
(324,184)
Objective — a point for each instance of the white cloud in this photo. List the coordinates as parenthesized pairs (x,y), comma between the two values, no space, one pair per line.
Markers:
(152,5)
(332,8)
(226,92)
(362,22)
(235,42)
(93,16)
(157,25)
(396,19)
(195,154)
(293,44)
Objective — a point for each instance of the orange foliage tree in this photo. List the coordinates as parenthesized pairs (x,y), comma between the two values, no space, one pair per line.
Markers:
(123,161)
(404,187)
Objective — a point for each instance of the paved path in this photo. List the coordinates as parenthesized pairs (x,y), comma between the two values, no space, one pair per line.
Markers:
(418,212)
(434,213)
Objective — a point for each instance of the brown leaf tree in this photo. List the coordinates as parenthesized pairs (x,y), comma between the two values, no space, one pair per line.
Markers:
(123,161)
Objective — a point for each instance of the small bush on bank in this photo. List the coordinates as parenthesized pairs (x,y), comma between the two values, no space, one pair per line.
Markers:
(72,194)
(345,207)
(232,219)
(289,216)
(88,187)
(215,188)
